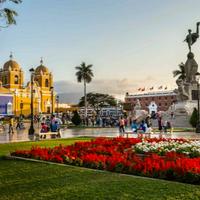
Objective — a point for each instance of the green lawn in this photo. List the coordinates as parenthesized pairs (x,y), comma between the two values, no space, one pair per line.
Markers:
(9,147)
(28,180)
(31,180)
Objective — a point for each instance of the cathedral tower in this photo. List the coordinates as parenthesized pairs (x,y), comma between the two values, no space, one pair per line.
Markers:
(43,77)
(11,75)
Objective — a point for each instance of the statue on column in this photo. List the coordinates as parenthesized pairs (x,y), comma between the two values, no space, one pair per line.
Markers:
(188,81)
(191,38)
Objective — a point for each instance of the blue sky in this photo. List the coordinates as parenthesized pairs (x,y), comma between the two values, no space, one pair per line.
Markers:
(130,43)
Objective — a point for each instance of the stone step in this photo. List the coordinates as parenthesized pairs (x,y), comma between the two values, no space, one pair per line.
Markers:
(178,121)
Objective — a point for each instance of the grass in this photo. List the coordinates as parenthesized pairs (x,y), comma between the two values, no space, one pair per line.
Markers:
(5,149)
(31,180)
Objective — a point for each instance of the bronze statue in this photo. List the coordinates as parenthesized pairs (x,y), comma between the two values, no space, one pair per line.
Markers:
(191,38)
(191,68)
(183,93)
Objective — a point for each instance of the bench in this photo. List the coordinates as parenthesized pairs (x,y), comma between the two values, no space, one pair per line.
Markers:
(139,133)
(127,133)
(42,135)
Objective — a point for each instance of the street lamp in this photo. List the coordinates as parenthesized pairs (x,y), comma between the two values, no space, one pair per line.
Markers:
(21,107)
(51,89)
(31,129)
(57,101)
(198,119)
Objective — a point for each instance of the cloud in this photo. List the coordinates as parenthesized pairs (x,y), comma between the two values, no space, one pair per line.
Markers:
(110,86)
(72,91)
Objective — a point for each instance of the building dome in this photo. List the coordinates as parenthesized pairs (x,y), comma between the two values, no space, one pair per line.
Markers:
(42,68)
(11,64)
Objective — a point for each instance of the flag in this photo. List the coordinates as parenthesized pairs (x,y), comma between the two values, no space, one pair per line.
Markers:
(151,88)
(166,88)
(160,87)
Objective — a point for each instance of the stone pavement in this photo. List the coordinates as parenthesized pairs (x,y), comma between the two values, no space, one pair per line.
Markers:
(19,136)
(178,121)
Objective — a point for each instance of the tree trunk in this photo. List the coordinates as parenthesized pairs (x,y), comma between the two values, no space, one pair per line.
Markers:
(85,98)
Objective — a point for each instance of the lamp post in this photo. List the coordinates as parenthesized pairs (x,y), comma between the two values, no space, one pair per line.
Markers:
(57,101)
(31,129)
(198,119)
(51,89)
(21,107)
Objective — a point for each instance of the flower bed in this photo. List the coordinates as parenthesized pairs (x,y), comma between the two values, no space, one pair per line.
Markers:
(117,155)
(191,148)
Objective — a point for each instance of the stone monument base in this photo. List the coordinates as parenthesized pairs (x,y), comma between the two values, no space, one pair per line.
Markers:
(184,108)
(140,115)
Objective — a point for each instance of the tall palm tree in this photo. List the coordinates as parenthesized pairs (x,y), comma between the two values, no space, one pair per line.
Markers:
(8,15)
(84,74)
(180,73)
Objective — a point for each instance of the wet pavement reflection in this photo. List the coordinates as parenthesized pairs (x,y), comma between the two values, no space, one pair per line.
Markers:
(22,135)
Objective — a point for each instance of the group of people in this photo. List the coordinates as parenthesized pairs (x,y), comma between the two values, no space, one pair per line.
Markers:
(145,126)
(47,124)
(19,124)
(164,126)
(50,124)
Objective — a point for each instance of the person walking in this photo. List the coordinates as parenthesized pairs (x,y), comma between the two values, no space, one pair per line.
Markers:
(160,125)
(11,125)
(121,126)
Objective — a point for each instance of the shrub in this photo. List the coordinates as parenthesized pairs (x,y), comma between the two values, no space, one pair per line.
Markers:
(194,118)
(76,119)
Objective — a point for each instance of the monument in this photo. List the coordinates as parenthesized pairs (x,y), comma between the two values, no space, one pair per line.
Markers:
(187,84)
(139,114)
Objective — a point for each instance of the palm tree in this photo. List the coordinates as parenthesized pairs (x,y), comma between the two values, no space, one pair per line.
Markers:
(8,15)
(180,73)
(84,74)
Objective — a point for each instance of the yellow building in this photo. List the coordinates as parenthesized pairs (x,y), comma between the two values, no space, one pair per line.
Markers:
(12,79)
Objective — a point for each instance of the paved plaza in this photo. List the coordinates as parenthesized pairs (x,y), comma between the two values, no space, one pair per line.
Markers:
(22,135)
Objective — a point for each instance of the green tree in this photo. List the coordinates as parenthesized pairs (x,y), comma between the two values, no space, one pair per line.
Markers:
(98,100)
(7,15)
(194,118)
(76,119)
(181,72)
(84,73)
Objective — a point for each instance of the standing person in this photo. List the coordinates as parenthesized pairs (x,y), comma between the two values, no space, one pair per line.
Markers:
(160,125)
(172,115)
(134,126)
(149,125)
(142,128)
(169,126)
(11,125)
(165,126)
(121,125)
(18,124)
(48,122)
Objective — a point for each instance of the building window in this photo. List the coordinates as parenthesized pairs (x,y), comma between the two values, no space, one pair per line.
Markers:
(159,104)
(152,98)
(165,104)
(159,97)
(172,97)
(165,97)
(16,81)
(5,80)
(46,83)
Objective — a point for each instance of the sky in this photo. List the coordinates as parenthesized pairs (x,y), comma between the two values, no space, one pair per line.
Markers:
(130,43)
